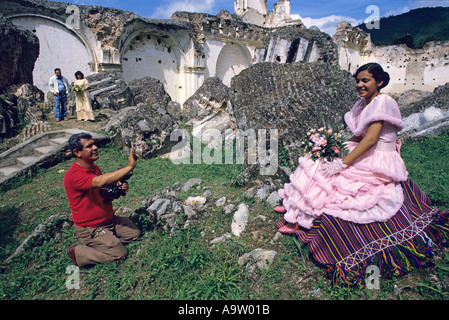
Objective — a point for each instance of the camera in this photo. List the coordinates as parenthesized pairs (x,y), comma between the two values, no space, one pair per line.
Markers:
(113,192)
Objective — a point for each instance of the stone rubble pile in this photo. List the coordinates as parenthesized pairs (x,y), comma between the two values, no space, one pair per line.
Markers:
(165,211)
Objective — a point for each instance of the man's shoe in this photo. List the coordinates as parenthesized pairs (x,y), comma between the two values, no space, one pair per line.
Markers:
(71,253)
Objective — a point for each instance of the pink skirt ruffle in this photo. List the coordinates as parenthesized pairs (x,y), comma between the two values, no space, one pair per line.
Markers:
(365,192)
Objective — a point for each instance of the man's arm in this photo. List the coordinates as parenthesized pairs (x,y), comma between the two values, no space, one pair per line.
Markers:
(67,84)
(113,177)
(51,84)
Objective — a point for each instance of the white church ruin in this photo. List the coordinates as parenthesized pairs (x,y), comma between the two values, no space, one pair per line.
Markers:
(185,50)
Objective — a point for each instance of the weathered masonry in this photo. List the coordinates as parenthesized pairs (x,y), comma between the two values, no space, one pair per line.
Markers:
(422,69)
(181,52)
(184,51)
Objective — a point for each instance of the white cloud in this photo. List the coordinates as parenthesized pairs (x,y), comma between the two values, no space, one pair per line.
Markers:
(326,24)
(167,8)
(396,12)
(429,3)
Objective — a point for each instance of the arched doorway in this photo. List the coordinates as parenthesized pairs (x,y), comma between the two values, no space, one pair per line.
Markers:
(233,58)
(59,47)
(150,53)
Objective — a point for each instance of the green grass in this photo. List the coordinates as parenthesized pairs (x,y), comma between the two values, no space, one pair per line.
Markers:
(427,161)
(183,265)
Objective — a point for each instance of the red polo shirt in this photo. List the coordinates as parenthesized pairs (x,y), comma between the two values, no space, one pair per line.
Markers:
(87,205)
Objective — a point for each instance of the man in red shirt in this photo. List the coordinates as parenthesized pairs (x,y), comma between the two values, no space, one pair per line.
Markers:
(102,233)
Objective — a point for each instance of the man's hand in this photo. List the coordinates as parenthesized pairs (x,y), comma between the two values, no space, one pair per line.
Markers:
(132,159)
(116,176)
(123,186)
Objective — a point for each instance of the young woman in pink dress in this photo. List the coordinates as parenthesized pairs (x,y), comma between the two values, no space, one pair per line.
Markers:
(334,205)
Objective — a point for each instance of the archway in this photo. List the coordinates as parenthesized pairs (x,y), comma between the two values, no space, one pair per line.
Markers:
(233,58)
(150,53)
(59,47)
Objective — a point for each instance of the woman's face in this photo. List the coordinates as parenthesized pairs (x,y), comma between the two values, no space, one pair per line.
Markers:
(366,85)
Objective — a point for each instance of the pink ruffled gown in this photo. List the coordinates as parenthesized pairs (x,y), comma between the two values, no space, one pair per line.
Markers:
(370,213)
(366,191)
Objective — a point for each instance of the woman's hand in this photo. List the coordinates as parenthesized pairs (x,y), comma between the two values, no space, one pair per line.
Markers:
(330,168)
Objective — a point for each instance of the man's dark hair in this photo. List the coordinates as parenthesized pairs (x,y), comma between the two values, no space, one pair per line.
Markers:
(74,141)
(57,69)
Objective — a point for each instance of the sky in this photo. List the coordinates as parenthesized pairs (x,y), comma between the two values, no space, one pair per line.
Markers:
(324,14)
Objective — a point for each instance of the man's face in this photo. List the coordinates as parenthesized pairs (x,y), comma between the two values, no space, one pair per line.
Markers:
(58,73)
(89,152)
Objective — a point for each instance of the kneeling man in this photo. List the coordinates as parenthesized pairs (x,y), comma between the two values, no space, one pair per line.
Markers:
(102,233)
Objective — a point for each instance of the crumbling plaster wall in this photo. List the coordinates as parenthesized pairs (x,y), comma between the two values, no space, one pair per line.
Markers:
(59,47)
(157,49)
(63,44)
(181,52)
(422,69)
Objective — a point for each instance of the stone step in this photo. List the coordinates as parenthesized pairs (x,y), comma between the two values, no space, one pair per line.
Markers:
(102,90)
(7,171)
(58,141)
(101,83)
(41,151)
(24,161)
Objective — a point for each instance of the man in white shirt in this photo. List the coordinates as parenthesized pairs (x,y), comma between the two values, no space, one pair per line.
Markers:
(59,85)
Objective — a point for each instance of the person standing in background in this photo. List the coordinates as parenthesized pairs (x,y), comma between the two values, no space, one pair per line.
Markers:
(59,85)
(82,99)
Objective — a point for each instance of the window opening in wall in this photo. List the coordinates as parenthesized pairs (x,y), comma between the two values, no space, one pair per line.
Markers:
(293,51)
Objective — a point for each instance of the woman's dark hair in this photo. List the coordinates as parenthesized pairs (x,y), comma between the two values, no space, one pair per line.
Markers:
(79,73)
(377,71)
(74,141)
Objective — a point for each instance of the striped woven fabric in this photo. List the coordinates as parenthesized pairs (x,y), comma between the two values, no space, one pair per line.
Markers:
(405,241)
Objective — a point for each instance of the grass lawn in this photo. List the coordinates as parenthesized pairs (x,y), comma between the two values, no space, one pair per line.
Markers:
(183,265)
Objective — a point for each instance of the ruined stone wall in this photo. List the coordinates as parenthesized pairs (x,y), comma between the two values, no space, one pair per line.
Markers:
(420,69)
(71,37)
(18,52)
(297,44)
(292,98)
(181,52)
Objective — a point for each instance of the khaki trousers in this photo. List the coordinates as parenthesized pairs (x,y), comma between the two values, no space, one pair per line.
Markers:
(105,244)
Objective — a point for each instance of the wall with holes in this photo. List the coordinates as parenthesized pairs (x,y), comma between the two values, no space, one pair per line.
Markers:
(422,69)
(59,47)
(149,54)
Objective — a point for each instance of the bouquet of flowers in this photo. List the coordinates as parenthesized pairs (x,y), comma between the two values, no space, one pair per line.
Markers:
(77,89)
(324,144)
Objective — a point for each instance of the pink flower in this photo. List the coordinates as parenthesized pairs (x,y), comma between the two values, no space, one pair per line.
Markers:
(329,131)
(323,142)
(313,137)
